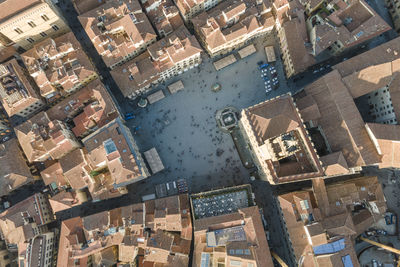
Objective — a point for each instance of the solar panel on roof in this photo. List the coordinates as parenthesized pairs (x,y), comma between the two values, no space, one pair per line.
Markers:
(347,262)
(330,247)
(239,252)
(109,146)
(205,259)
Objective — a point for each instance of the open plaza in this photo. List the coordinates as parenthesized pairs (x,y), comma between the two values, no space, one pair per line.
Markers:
(183,129)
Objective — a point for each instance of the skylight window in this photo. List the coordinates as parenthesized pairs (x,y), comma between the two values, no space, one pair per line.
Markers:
(109,146)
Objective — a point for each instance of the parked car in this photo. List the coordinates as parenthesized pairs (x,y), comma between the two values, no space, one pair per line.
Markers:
(129,116)
(263,66)
(264,221)
(267,79)
(136,129)
(370,232)
(259,63)
(182,186)
(381,232)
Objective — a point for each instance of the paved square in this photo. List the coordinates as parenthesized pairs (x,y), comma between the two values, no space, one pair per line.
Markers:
(183,129)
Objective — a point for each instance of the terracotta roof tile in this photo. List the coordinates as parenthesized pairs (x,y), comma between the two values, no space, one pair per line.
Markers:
(160,57)
(41,138)
(269,122)
(249,220)
(16,92)
(14,171)
(334,163)
(17,223)
(341,121)
(230,20)
(99,229)
(125,29)
(58,62)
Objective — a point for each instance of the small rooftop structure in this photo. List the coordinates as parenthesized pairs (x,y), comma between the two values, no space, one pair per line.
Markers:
(64,200)
(83,6)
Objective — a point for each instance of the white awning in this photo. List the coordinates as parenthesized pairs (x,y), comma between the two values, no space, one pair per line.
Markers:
(226,61)
(157,96)
(154,161)
(247,51)
(270,52)
(175,87)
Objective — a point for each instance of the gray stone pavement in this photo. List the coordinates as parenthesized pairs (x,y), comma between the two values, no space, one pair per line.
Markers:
(183,129)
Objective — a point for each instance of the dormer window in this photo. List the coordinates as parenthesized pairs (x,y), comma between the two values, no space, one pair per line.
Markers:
(18,30)
(32,24)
